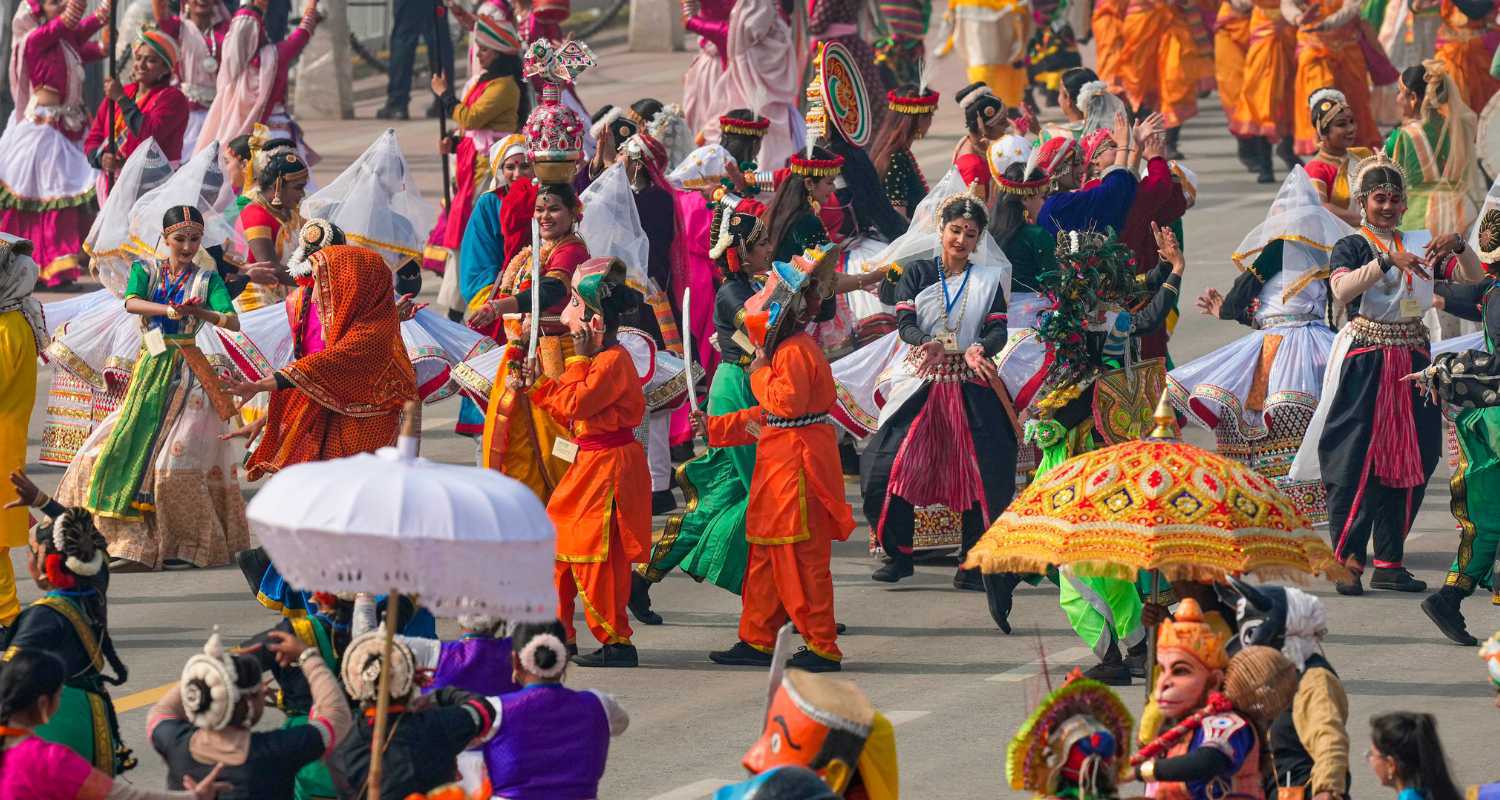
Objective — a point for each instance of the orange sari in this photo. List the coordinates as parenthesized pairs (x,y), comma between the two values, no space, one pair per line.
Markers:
(1160,64)
(1267,104)
(1108,24)
(347,397)
(1332,58)
(602,505)
(1461,46)
(1231,40)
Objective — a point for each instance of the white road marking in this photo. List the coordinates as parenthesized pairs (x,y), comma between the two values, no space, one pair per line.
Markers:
(695,790)
(1072,655)
(903,717)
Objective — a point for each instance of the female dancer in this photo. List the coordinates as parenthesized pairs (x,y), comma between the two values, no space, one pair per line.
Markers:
(1258,393)
(494,103)
(909,119)
(952,314)
(1160,65)
(984,122)
(253,76)
(269,221)
(49,206)
(69,564)
(1070,103)
(156,474)
(31,686)
(1263,116)
(1434,148)
(518,437)
(1337,130)
(838,21)
(1463,46)
(792,220)
(703,97)
(1373,441)
(764,77)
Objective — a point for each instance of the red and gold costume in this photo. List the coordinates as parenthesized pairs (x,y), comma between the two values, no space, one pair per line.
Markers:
(1266,102)
(1461,46)
(1160,62)
(518,436)
(797,507)
(602,504)
(1332,58)
(160,113)
(347,397)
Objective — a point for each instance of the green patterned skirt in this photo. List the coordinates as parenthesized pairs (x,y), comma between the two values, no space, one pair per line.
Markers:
(119,488)
(708,540)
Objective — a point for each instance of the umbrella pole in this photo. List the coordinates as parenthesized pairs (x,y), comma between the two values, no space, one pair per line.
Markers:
(382,700)
(1151,637)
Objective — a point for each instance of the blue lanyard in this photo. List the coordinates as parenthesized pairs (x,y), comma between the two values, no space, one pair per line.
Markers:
(948,303)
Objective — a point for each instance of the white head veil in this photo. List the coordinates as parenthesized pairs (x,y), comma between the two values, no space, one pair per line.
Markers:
(376,203)
(108,239)
(669,127)
(1297,214)
(921,239)
(199,183)
(612,226)
(1099,106)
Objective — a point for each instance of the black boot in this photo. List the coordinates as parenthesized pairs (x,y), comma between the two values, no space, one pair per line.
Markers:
(999,590)
(1396,579)
(740,655)
(610,655)
(1112,671)
(1352,588)
(1442,608)
(663,502)
(806,659)
(1245,151)
(968,580)
(897,568)
(849,458)
(640,601)
(1172,152)
(1263,172)
(1287,154)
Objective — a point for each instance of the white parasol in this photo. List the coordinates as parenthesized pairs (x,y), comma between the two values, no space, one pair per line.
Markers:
(466,540)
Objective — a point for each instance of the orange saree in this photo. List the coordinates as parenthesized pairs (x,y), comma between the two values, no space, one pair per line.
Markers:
(346,398)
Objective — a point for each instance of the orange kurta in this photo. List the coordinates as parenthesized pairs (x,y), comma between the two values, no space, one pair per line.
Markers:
(1231,40)
(1160,65)
(1108,24)
(1267,103)
(1461,46)
(602,505)
(1332,58)
(797,507)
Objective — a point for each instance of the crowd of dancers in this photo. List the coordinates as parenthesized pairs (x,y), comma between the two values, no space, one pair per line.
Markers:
(773,243)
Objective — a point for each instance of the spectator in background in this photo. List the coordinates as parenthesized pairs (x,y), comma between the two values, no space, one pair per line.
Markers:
(415,19)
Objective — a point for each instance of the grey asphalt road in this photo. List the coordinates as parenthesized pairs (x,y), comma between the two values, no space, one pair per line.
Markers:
(927,655)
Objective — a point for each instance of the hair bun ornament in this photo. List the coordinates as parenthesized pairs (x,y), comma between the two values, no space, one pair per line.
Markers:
(362,664)
(209,689)
(544,641)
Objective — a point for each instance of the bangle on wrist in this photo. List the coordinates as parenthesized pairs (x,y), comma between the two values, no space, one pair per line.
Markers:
(1148,771)
(41,500)
(310,652)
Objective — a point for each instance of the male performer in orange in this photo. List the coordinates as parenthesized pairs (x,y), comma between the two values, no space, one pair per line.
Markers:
(797,507)
(602,504)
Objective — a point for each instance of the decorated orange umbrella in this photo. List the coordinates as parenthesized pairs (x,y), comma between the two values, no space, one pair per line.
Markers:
(1158,504)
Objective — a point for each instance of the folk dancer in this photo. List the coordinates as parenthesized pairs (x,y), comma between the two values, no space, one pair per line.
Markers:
(1464,381)
(991,35)
(1373,440)
(1330,169)
(601,505)
(156,475)
(199,30)
(1258,393)
(1434,147)
(253,78)
(203,724)
(50,207)
(797,507)
(151,107)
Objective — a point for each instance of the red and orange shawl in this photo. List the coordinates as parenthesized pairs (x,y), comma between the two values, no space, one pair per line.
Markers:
(347,398)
